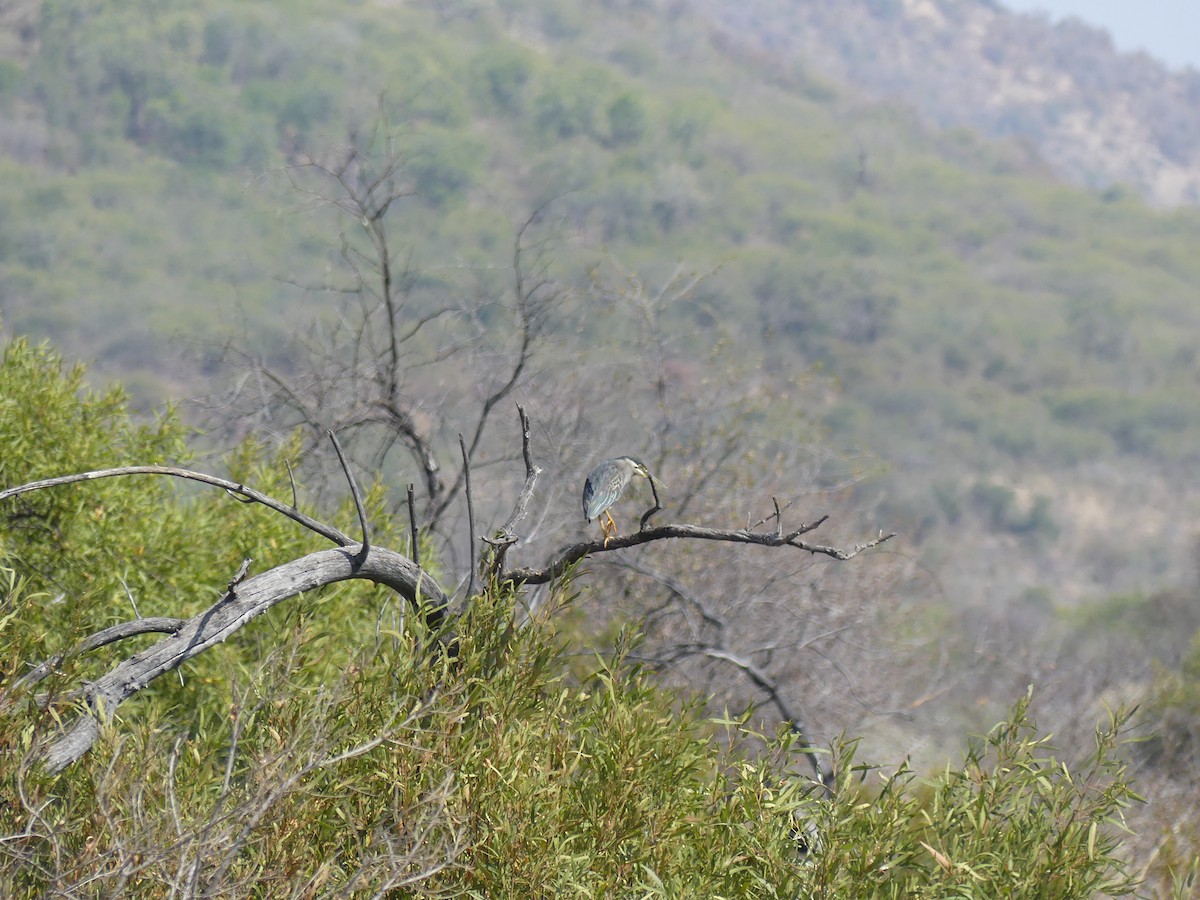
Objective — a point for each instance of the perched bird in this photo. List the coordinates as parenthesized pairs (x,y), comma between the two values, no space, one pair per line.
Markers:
(604,487)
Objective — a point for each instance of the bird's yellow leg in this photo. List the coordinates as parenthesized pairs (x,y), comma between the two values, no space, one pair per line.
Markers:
(609,529)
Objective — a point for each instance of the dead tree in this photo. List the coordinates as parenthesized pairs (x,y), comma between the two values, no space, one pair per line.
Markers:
(246,597)
(356,372)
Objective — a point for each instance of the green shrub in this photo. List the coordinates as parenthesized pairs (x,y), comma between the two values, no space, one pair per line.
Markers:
(325,750)
(1012,821)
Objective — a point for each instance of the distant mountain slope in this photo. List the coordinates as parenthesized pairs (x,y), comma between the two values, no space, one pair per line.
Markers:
(1020,354)
(1101,117)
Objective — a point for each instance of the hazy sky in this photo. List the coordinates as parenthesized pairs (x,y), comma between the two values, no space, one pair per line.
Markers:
(1166,29)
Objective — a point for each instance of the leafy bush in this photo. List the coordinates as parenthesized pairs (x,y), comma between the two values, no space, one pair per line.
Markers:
(1012,821)
(325,750)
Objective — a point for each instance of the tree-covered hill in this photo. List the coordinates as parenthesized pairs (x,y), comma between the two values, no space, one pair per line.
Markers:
(770,283)
(982,326)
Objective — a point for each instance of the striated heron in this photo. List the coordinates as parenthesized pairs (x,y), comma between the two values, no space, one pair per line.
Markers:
(604,487)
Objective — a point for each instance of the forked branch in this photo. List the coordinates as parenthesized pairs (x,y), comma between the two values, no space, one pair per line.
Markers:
(244,602)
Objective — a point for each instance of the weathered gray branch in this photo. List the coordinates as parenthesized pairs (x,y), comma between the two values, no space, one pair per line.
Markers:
(575,552)
(246,601)
(102,638)
(235,488)
(507,535)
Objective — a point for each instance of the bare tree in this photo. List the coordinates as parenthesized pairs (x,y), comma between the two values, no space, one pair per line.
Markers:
(245,598)
(358,372)
(393,368)
(809,643)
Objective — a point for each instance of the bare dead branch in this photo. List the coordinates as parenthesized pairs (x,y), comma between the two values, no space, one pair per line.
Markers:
(531,474)
(507,536)
(110,635)
(575,552)
(238,490)
(231,612)
(292,482)
(652,510)
(767,685)
(357,495)
(414,531)
(466,462)
(239,577)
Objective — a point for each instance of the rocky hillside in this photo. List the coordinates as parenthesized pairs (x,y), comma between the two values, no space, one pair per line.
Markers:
(1101,117)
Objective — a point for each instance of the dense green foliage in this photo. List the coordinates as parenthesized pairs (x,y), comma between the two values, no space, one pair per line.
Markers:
(1012,821)
(323,750)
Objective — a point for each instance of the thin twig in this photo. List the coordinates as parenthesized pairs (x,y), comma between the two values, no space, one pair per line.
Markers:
(358,504)
(412,525)
(292,481)
(466,458)
(654,509)
(132,601)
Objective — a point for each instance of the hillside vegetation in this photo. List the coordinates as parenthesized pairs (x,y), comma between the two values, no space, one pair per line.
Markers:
(769,284)
(975,318)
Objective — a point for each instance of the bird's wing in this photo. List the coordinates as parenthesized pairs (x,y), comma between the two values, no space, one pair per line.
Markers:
(599,497)
(589,491)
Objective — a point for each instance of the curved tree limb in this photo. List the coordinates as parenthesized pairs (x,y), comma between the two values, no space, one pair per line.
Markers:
(233,487)
(244,602)
(102,638)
